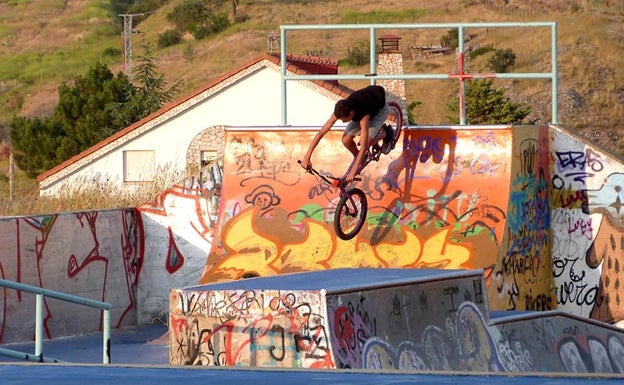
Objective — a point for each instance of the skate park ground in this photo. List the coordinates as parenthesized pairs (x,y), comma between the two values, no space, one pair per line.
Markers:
(140,355)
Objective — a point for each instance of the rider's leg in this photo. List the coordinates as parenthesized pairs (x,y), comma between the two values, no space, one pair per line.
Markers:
(348,140)
(375,124)
(377,130)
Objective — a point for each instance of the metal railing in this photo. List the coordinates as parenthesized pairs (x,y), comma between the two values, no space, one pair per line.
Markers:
(40,294)
(461,75)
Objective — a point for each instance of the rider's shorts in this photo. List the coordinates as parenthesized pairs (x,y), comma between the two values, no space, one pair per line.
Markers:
(374,124)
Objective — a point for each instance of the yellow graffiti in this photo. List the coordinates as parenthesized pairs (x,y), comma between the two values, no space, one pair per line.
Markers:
(318,248)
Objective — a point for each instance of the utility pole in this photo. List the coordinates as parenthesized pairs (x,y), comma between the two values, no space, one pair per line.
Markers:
(11,176)
(126,38)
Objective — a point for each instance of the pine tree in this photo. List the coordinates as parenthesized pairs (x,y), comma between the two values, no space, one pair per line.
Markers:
(94,107)
(487,105)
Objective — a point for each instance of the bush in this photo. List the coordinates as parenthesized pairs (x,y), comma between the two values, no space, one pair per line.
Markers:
(169,38)
(241,18)
(189,15)
(219,22)
(451,39)
(488,105)
(359,53)
(481,51)
(197,18)
(502,60)
(189,52)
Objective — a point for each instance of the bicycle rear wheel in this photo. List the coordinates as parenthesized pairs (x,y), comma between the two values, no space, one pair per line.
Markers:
(350,214)
(396,118)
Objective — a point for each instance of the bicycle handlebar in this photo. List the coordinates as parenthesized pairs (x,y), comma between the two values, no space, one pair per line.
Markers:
(334,181)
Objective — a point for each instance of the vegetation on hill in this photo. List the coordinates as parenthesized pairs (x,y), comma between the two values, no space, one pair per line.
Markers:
(46,43)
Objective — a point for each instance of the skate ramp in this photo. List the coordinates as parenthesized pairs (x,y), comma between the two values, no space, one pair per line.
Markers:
(403,320)
(537,208)
(450,205)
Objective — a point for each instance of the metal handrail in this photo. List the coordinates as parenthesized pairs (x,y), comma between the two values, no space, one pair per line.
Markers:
(462,76)
(40,294)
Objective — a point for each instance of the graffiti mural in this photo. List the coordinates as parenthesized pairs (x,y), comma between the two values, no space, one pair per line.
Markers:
(523,273)
(469,344)
(588,229)
(439,200)
(97,255)
(248,328)
(377,319)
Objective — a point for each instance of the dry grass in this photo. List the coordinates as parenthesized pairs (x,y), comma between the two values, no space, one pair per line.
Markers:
(27,201)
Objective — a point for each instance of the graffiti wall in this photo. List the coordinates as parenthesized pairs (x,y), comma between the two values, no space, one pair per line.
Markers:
(128,257)
(439,200)
(249,328)
(392,316)
(97,255)
(447,199)
(522,276)
(430,322)
(587,227)
(467,342)
(178,235)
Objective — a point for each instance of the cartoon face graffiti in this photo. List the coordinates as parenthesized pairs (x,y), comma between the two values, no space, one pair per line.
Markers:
(263,197)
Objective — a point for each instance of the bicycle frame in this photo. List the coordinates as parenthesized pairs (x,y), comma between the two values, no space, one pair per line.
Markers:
(351,209)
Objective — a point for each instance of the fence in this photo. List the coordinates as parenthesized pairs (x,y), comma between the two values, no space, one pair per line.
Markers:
(40,294)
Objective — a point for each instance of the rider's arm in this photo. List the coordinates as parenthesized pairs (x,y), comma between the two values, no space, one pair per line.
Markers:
(305,163)
(363,147)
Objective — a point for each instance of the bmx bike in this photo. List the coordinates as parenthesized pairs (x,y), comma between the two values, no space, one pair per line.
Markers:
(352,207)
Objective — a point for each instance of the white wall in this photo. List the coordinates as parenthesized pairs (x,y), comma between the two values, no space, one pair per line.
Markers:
(254,100)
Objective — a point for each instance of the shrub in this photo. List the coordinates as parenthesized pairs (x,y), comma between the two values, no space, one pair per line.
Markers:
(359,53)
(481,51)
(502,60)
(169,38)
(451,39)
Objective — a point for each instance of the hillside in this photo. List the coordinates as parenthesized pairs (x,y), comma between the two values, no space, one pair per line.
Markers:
(47,42)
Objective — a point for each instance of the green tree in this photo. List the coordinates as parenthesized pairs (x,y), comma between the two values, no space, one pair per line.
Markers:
(359,53)
(451,39)
(486,105)
(199,17)
(79,120)
(502,60)
(35,143)
(190,14)
(91,109)
(147,95)
(83,108)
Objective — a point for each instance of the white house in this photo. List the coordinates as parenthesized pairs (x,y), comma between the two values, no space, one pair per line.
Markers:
(181,136)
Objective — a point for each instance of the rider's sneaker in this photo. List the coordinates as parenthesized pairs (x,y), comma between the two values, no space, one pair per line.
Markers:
(386,147)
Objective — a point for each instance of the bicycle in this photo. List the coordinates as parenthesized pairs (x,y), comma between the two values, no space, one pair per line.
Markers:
(352,207)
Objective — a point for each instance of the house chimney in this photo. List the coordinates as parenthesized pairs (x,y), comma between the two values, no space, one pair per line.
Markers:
(390,62)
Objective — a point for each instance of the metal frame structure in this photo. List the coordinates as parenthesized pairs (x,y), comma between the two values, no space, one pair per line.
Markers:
(461,75)
(40,294)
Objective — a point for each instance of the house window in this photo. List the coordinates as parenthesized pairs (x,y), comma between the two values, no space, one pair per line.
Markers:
(138,166)
(207,157)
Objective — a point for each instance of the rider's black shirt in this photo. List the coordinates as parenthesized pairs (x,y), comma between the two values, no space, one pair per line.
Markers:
(367,101)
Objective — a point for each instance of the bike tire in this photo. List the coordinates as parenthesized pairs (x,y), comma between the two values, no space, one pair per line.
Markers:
(396,111)
(350,214)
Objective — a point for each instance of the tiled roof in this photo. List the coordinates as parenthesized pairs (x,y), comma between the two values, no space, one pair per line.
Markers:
(294,65)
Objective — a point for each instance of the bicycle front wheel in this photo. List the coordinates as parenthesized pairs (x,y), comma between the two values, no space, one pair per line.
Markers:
(350,213)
